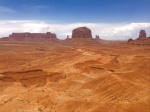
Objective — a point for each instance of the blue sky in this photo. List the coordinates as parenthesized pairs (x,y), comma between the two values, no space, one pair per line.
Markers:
(77,10)
(66,12)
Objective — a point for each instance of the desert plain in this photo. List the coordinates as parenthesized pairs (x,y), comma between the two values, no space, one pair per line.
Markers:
(74,77)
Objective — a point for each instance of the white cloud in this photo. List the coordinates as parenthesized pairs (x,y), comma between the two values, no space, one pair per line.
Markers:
(120,31)
(6,10)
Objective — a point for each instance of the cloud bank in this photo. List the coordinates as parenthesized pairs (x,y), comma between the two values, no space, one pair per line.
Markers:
(108,31)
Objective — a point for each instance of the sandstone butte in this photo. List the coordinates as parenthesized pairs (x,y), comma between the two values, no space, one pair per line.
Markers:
(142,34)
(82,32)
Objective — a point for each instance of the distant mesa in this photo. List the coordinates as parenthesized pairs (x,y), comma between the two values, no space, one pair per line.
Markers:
(82,32)
(142,34)
(30,36)
(33,35)
(50,35)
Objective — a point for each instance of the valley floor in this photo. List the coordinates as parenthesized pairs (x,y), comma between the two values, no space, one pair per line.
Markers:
(48,77)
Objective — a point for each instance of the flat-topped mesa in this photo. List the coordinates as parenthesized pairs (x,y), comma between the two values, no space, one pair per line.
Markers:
(31,36)
(27,34)
(50,35)
(82,32)
(142,34)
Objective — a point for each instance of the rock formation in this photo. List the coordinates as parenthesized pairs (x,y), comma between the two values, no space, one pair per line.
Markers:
(30,36)
(33,35)
(67,38)
(82,32)
(50,35)
(97,37)
(130,40)
(142,34)
(142,40)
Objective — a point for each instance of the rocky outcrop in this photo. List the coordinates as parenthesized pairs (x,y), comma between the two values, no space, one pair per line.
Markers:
(82,32)
(130,40)
(67,38)
(97,37)
(142,34)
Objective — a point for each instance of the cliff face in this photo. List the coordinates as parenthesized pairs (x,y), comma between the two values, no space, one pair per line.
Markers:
(82,32)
